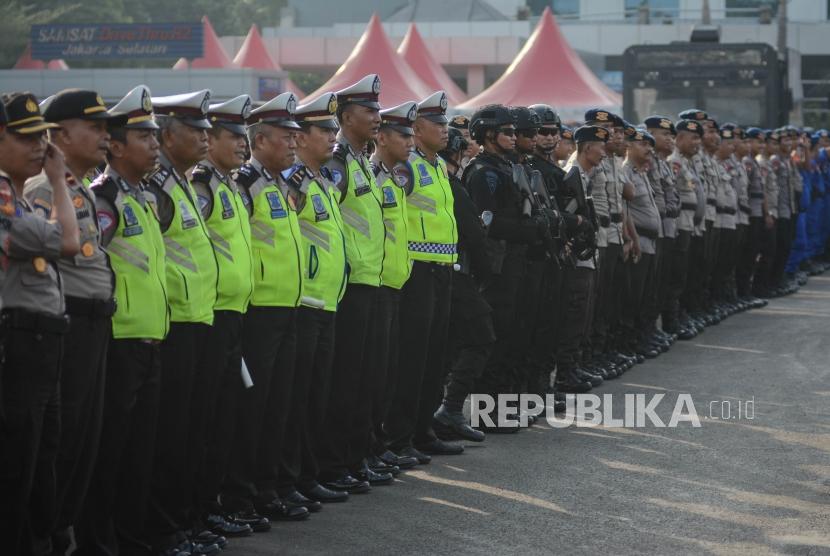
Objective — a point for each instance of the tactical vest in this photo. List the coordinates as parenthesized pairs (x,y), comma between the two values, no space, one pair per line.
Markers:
(431,229)
(397,263)
(137,256)
(230,234)
(323,242)
(191,265)
(360,207)
(275,241)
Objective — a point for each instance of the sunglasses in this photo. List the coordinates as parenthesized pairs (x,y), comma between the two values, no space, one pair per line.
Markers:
(508,131)
(548,131)
(527,133)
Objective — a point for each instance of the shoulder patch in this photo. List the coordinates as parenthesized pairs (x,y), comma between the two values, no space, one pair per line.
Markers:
(492,180)
(246,175)
(42,208)
(341,152)
(159,177)
(202,174)
(7,204)
(106,220)
(401,175)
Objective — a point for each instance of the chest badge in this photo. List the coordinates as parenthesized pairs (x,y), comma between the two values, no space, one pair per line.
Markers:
(320,212)
(423,173)
(227,206)
(188,219)
(275,204)
(389,199)
(131,225)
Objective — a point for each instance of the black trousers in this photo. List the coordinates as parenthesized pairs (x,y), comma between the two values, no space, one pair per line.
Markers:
(546,337)
(346,428)
(652,291)
(609,290)
(764,274)
(692,299)
(724,274)
(269,336)
(527,322)
(386,359)
(29,436)
(471,342)
(82,403)
(747,249)
(784,236)
(298,463)
(113,514)
(578,289)
(214,408)
(171,500)
(640,283)
(678,273)
(503,294)
(665,247)
(710,260)
(424,325)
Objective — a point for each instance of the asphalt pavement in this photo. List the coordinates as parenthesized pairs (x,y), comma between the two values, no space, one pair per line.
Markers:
(753,478)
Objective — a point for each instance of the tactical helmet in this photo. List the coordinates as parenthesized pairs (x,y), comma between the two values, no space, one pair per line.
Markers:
(491,116)
(455,143)
(525,118)
(547,114)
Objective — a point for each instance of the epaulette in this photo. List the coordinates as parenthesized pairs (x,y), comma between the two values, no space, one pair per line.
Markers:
(246,175)
(375,167)
(105,186)
(202,174)
(341,152)
(298,177)
(159,176)
(326,173)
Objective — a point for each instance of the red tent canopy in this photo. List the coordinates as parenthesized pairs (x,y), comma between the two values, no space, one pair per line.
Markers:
(547,71)
(253,54)
(417,55)
(27,62)
(214,56)
(375,54)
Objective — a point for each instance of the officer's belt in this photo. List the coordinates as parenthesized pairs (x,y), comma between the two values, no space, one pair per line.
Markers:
(645,232)
(86,307)
(725,210)
(21,319)
(745,209)
(688,206)
(604,221)
(616,218)
(756,195)
(712,202)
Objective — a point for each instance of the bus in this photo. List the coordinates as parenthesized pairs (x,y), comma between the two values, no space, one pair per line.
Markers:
(734,82)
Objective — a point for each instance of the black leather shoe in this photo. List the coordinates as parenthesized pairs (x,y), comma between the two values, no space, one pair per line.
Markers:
(567,383)
(322,494)
(440,448)
(197,549)
(221,526)
(275,510)
(452,425)
(207,538)
(410,452)
(349,484)
(379,466)
(256,522)
(585,376)
(296,500)
(402,462)
(373,478)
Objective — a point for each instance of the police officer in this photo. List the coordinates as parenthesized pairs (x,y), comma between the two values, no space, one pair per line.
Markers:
(785,231)
(565,147)
(462,124)
(88,285)
(33,322)
(639,305)
(191,291)
(324,283)
(471,325)
(215,397)
(432,236)
(667,199)
(727,220)
(115,507)
(580,277)
(269,333)
(764,284)
(343,445)
(394,178)
(759,218)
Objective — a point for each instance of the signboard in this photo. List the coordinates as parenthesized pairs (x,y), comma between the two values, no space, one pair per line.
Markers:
(104,40)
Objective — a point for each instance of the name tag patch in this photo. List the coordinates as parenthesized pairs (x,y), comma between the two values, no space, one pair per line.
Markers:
(131,225)
(423,173)
(227,207)
(389,199)
(188,220)
(361,186)
(320,212)
(274,202)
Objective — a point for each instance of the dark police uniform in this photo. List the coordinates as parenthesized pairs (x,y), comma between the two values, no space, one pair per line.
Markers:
(88,283)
